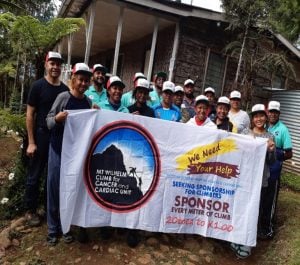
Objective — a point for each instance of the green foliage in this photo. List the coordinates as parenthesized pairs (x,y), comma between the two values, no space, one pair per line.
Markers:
(25,41)
(14,103)
(15,122)
(285,247)
(7,69)
(41,9)
(291,181)
(281,16)
(245,13)
(285,19)
(14,189)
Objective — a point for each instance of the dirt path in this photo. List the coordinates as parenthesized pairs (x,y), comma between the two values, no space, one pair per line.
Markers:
(29,244)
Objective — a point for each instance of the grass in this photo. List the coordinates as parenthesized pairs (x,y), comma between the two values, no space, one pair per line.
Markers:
(285,247)
(291,181)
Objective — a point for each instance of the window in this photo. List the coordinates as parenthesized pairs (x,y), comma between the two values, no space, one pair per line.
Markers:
(215,72)
(278,82)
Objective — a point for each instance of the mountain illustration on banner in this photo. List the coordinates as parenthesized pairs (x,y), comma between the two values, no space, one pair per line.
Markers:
(111,180)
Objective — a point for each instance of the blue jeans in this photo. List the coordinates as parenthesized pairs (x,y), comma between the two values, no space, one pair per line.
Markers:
(36,168)
(53,180)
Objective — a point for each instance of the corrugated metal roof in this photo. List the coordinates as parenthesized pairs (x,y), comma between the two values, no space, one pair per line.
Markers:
(290,115)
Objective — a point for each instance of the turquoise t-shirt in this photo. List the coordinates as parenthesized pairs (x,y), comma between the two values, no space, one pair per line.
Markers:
(171,114)
(108,106)
(95,96)
(282,136)
(155,99)
(127,99)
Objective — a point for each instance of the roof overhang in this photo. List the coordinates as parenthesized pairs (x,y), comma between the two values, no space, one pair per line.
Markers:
(139,17)
(137,23)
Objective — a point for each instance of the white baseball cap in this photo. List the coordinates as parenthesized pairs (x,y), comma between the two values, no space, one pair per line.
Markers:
(138,75)
(168,85)
(201,98)
(209,89)
(99,67)
(235,94)
(178,88)
(54,56)
(188,81)
(223,100)
(115,80)
(81,68)
(274,105)
(258,108)
(141,82)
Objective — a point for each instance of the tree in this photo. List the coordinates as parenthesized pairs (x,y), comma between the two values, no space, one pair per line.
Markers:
(250,23)
(29,39)
(41,9)
(244,15)
(285,19)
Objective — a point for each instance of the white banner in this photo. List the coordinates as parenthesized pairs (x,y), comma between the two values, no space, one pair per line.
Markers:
(125,170)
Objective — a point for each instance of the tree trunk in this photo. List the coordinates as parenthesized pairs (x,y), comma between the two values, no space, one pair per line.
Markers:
(22,86)
(16,76)
(39,65)
(241,54)
(5,91)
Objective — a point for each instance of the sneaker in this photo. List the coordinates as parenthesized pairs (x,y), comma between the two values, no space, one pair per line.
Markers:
(52,239)
(133,238)
(241,251)
(67,238)
(33,219)
(82,236)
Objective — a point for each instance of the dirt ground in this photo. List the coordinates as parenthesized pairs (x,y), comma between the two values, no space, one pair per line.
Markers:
(8,150)
(29,244)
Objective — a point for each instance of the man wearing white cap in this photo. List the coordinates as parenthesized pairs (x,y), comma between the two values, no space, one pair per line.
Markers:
(284,151)
(69,100)
(238,117)
(42,94)
(166,110)
(201,119)
(156,94)
(115,88)
(189,99)
(128,99)
(140,94)
(97,91)
(221,119)
(210,93)
(178,102)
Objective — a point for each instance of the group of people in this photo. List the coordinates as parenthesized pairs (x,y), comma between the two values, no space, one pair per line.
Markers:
(47,109)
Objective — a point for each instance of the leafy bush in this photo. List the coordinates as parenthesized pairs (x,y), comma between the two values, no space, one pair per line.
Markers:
(14,189)
(15,122)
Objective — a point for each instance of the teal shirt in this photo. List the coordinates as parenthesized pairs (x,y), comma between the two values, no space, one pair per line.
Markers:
(171,114)
(282,136)
(95,96)
(108,106)
(127,99)
(155,99)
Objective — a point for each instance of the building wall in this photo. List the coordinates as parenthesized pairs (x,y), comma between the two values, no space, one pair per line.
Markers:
(195,38)
(134,56)
(197,35)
